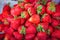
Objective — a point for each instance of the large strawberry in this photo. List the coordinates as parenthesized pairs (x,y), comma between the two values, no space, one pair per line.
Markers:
(17,35)
(50,8)
(40,9)
(46,18)
(34,19)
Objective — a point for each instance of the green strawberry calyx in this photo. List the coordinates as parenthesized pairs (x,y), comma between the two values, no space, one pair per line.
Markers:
(52,7)
(39,9)
(22,31)
(40,29)
(22,15)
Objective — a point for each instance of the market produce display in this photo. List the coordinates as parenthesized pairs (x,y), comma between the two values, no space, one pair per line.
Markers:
(30,20)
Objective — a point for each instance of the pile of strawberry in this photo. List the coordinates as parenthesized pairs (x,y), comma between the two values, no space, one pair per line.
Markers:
(30,20)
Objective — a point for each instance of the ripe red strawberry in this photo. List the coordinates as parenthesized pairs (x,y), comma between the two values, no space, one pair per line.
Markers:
(57,8)
(15,11)
(42,27)
(34,19)
(53,38)
(17,35)
(40,9)
(42,35)
(29,36)
(31,30)
(12,38)
(22,30)
(31,11)
(6,8)
(46,18)
(15,23)
(22,20)
(1,27)
(25,15)
(50,8)
(56,34)
(26,6)
(56,15)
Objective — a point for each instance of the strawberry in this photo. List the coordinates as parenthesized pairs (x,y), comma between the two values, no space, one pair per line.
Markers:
(12,38)
(15,11)
(46,18)
(31,30)
(29,36)
(22,30)
(42,35)
(31,11)
(25,15)
(57,8)
(34,19)
(17,35)
(56,15)
(51,8)
(36,38)
(27,24)
(55,23)
(42,27)
(15,23)
(40,9)
(54,38)
(6,8)
(26,6)
(56,34)
(22,20)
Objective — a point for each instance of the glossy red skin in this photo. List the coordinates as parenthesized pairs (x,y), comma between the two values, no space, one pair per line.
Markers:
(31,30)
(43,9)
(47,9)
(56,34)
(57,8)
(15,11)
(31,10)
(1,27)
(55,23)
(17,35)
(12,38)
(26,6)
(46,18)
(31,1)
(41,35)
(54,38)
(15,23)
(34,19)
(1,17)
(6,8)
(22,20)
(29,36)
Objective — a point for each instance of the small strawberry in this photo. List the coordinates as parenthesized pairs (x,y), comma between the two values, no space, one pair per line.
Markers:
(6,8)
(46,18)
(29,36)
(51,8)
(17,35)
(36,38)
(34,19)
(42,35)
(56,34)
(31,11)
(40,9)
(31,30)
